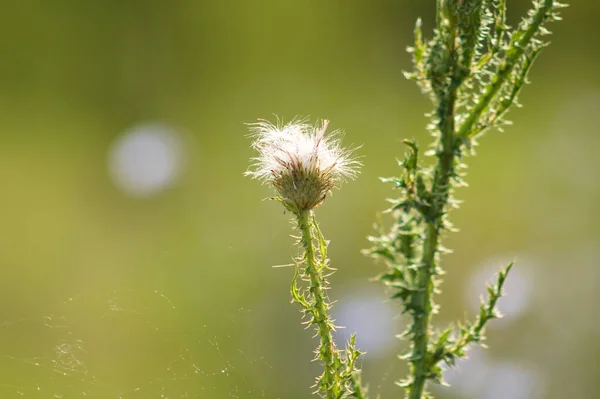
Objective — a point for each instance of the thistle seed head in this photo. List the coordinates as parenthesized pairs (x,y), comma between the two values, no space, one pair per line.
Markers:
(300,162)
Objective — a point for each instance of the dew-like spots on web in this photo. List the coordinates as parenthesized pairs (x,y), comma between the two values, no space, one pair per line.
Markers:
(197,362)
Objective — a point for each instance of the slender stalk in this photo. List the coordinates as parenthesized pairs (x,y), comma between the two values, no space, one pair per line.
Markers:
(422,302)
(327,351)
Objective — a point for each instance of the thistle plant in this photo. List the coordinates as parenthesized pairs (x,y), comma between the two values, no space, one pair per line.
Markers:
(473,69)
(302,164)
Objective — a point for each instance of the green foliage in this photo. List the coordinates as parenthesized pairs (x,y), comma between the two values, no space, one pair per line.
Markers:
(473,70)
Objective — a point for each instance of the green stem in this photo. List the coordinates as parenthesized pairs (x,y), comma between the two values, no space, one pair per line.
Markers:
(422,303)
(486,313)
(421,300)
(328,353)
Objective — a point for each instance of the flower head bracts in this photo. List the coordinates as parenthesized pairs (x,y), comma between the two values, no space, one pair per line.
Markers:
(300,161)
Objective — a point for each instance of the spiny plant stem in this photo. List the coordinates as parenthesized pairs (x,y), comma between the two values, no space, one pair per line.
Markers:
(422,307)
(519,43)
(422,300)
(327,351)
(474,332)
(341,375)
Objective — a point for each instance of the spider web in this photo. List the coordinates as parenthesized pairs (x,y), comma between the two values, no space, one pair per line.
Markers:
(93,348)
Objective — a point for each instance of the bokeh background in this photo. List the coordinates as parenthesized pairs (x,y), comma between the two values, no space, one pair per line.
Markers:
(136,258)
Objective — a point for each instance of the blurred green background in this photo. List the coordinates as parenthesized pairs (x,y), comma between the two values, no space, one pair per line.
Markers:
(136,259)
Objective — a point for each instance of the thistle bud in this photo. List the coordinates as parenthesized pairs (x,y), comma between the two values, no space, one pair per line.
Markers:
(300,161)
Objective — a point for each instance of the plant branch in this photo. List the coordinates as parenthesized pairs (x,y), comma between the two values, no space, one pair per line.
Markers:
(341,375)
(519,43)
(471,332)
(422,302)
(318,308)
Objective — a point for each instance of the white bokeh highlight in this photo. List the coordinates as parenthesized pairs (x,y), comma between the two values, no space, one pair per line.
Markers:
(479,377)
(369,314)
(512,380)
(146,159)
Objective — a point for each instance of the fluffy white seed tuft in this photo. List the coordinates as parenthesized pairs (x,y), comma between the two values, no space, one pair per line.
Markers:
(300,161)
